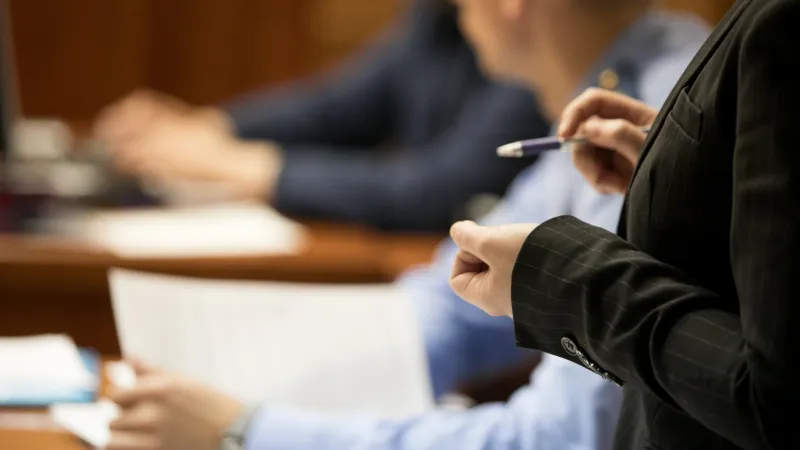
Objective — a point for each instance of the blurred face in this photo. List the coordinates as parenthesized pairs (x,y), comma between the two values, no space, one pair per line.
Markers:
(497,32)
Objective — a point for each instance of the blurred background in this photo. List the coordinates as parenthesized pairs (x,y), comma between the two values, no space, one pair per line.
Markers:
(76,56)
(72,58)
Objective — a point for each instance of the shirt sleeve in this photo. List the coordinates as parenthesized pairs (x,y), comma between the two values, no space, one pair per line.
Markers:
(565,408)
(461,341)
(425,188)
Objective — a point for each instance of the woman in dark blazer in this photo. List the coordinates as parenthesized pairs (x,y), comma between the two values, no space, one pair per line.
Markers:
(691,308)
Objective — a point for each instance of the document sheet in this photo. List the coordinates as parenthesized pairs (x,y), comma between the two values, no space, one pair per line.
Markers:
(329,348)
(188,232)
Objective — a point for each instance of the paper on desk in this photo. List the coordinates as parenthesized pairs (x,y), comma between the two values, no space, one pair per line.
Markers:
(323,347)
(42,364)
(218,230)
(90,422)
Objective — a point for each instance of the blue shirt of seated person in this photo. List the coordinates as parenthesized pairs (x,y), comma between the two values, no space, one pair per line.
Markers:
(565,406)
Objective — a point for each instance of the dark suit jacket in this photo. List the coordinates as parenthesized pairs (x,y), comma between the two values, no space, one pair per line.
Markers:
(694,313)
(419,91)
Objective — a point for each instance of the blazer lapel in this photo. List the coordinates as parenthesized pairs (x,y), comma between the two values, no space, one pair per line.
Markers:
(689,74)
(699,61)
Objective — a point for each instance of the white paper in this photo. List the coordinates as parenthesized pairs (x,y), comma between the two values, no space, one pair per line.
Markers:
(40,364)
(218,230)
(327,348)
(91,421)
(88,421)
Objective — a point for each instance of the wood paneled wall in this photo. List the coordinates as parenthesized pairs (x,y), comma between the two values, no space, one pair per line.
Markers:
(75,56)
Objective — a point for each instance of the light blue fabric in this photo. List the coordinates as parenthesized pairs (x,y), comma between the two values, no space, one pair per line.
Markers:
(565,406)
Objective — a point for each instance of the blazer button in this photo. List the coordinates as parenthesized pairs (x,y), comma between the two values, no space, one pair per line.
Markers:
(569,346)
(572,350)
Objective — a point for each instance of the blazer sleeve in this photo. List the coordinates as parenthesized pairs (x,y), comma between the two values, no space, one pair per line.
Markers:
(424,189)
(735,370)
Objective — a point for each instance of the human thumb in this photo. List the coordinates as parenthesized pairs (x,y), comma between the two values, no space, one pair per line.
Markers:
(471,238)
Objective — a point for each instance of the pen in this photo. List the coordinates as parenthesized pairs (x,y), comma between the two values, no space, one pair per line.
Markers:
(534,147)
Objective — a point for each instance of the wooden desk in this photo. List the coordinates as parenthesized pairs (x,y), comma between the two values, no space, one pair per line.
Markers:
(52,285)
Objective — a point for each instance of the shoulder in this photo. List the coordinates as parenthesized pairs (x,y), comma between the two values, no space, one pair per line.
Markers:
(764,10)
(766,20)
(678,38)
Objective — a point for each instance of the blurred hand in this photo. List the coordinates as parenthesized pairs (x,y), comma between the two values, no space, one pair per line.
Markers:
(135,113)
(611,122)
(166,412)
(183,149)
(482,270)
(163,140)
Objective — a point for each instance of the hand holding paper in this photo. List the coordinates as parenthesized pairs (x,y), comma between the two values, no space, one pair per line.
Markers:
(167,411)
(90,422)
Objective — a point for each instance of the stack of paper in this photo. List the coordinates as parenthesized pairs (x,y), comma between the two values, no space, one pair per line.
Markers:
(218,230)
(34,369)
(323,347)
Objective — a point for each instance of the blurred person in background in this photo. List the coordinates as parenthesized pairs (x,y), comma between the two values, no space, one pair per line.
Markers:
(565,406)
(401,138)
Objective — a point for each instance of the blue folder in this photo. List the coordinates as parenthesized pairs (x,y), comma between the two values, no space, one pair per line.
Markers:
(34,399)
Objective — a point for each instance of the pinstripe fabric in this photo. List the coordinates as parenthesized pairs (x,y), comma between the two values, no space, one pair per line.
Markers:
(694,312)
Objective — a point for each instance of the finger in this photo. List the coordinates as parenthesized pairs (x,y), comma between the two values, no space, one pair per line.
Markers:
(141,368)
(472,238)
(587,161)
(468,284)
(606,104)
(126,440)
(605,170)
(143,417)
(467,263)
(121,119)
(615,134)
(147,388)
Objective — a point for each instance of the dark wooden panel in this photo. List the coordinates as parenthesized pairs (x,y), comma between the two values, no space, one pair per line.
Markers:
(207,50)
(75,55)
(711,10)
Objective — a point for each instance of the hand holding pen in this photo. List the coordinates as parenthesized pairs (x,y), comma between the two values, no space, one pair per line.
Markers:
(605,132)
(534,147)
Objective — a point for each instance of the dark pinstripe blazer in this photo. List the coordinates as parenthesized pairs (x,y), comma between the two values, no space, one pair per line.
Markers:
(693,308)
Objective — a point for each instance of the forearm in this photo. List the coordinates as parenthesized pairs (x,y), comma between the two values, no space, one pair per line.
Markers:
(424,190)
(311,112)
(566,409)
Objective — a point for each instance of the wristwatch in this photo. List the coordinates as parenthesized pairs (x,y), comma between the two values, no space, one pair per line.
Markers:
(234,436)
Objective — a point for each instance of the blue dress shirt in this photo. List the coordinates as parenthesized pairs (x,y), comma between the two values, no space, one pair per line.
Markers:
(565,406)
